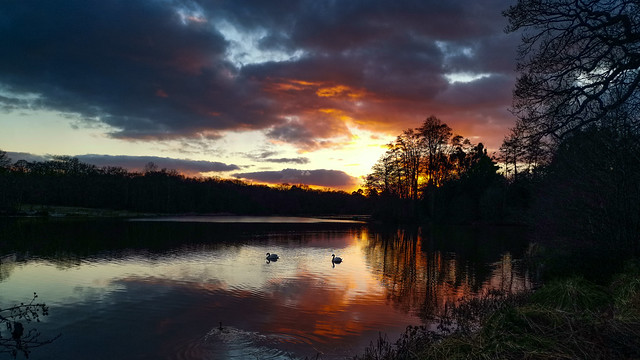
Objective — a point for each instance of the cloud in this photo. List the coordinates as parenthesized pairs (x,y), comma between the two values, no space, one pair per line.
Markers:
(17,156)
(151,76)
(268,156)
(299,160)
(321,177)
(189,167)
(179,69)
(137,163)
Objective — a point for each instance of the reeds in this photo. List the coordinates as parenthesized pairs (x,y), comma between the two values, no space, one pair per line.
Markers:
(564,319)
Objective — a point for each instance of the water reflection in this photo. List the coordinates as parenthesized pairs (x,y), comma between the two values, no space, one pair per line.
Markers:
(205,290)
(422,270)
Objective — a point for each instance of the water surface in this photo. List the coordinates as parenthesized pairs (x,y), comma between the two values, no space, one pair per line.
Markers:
(190,288)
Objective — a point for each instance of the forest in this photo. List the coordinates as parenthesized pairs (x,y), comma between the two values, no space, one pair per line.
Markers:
(65,181)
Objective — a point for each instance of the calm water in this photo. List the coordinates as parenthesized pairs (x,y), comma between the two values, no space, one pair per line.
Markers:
(160,289)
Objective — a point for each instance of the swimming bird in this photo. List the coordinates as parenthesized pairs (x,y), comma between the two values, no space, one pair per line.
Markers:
(272,256)
(222,330)
(335,259)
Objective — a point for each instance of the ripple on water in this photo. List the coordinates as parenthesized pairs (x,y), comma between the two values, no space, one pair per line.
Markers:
(233,343)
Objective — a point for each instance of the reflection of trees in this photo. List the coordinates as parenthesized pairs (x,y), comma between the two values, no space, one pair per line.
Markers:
(7,264)
(421,275)
(509,275)
(68,242)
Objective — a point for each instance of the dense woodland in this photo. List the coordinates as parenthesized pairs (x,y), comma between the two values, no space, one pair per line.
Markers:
(428,174)
(65,181)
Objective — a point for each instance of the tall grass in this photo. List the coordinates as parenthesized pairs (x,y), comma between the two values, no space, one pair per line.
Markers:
(564,319)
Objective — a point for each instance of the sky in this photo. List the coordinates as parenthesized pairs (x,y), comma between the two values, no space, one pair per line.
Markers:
(287,91)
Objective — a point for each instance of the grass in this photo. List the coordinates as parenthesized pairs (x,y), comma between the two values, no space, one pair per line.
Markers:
(570,318)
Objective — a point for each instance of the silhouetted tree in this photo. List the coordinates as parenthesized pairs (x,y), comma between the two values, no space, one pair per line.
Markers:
(577,100)
(411,152)
(419,164)
(588,204)
(579,61)
(5,181)
(435,137)
(150,167)
(521,154)
(15,319)
(5,161)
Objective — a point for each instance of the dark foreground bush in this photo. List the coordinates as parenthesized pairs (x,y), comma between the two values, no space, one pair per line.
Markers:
(565,319)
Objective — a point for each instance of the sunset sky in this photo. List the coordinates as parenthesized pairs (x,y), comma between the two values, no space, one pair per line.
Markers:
(265,91)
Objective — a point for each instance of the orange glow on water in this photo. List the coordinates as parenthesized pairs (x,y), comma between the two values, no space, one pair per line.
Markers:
(388,280)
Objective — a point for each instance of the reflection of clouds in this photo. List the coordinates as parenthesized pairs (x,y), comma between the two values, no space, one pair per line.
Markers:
(174,299)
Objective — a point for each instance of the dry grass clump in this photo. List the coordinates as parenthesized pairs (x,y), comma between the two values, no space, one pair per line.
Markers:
(626,292)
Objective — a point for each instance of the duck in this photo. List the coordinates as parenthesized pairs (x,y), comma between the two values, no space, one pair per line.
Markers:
(335,259)
(272,256)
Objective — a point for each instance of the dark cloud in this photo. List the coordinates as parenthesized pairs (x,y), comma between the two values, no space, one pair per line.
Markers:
(137,163)
(491,91)
(298,160)
(339,25)
(135,65)
(327,178)
(271,157)
(10,104)
(17,156)
(311,132)
(163,69)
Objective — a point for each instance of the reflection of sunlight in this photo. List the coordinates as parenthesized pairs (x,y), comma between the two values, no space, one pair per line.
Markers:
(505,276)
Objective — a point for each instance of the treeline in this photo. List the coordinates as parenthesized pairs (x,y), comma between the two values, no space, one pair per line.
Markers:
(428,174)
(584,197)
(65,181)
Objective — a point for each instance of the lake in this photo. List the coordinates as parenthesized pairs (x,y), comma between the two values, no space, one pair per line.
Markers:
(201,288)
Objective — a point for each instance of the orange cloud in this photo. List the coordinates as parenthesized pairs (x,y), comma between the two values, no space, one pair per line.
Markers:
(339,90)
(290,85)
(336,114)
(319,114)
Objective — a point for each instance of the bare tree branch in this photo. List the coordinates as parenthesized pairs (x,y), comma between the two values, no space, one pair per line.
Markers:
(579,63)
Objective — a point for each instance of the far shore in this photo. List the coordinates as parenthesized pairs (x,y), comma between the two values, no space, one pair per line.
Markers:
(71,211)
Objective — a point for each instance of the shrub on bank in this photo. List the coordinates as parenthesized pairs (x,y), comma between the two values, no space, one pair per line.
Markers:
(565,319)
